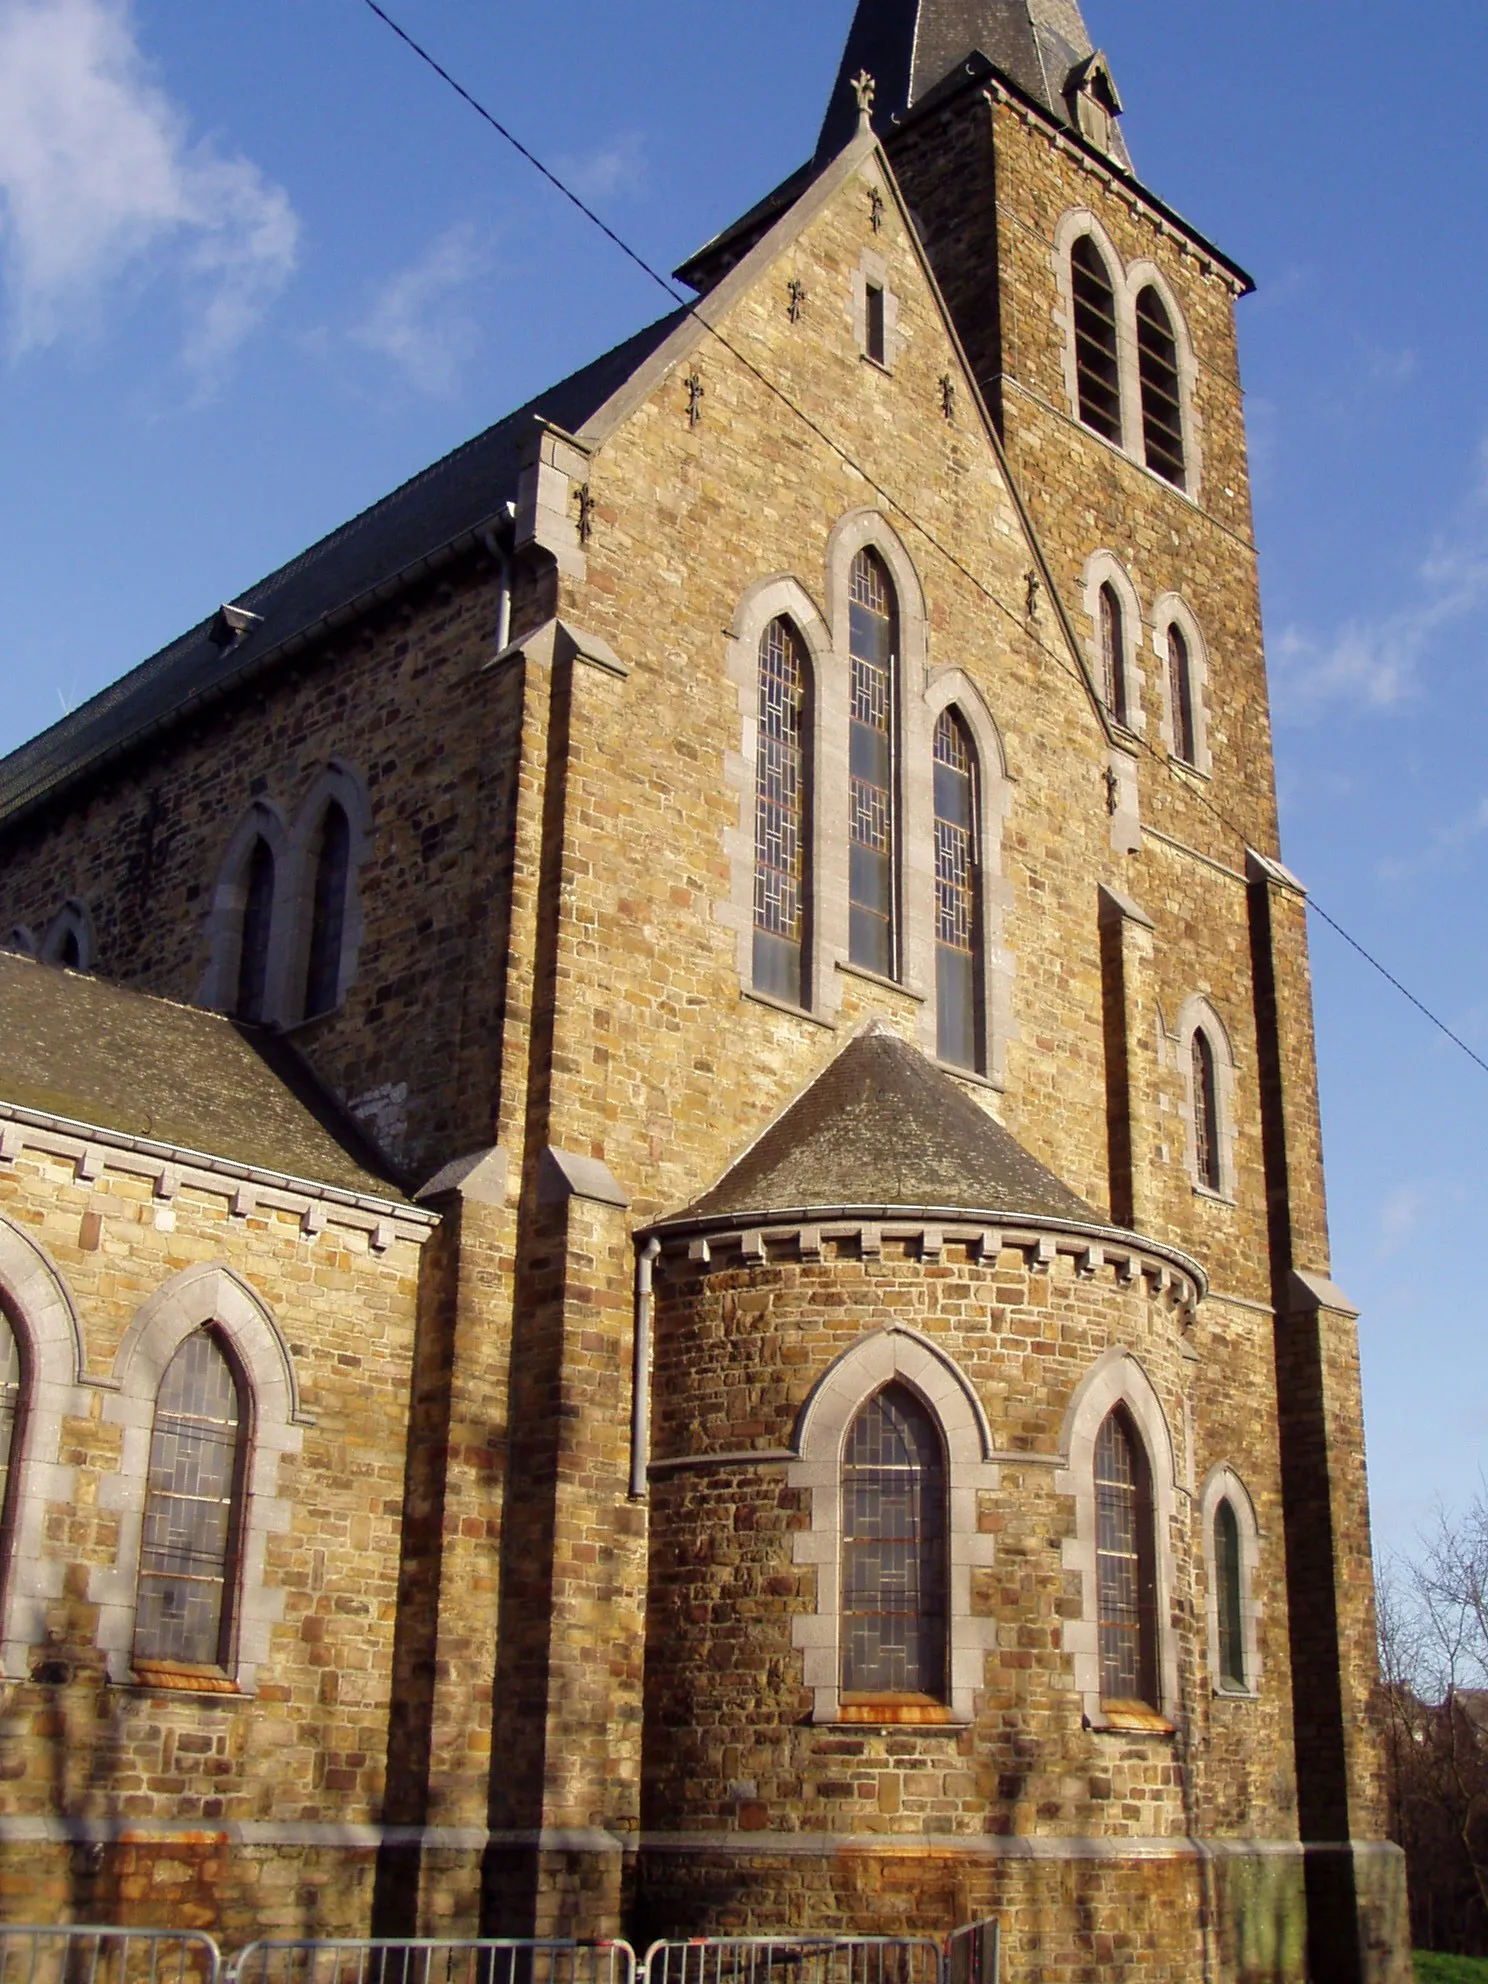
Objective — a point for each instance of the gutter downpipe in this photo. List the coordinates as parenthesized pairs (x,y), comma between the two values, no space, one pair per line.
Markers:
(504,594)
(640,1396)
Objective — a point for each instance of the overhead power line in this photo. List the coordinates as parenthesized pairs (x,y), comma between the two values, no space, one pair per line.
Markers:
(922,529)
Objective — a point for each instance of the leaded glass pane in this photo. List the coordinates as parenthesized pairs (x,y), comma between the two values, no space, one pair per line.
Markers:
(187,1539)
(1096,368)
(1124,1570)
(1113,657)
(1162,413)
(258,912)
(1205,1108)
(328,916)
(956,894)
(780,814)
(1180,693)
(871,740)
(893,1550)
(1227,1594)
(10,1400)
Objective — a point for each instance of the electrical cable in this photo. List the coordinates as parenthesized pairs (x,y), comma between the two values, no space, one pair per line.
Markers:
(922,529)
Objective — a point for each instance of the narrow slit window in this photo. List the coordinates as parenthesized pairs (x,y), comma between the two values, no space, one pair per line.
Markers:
(1205,1112)
(876,326)
(1162,407)
(1097,371)
(1181,696)
(1125,1566)
(258,913)
(12,1390)
(894,1551)
(957,892)
(328,912)
(183,1612)
(70,952)
(872,772)
(780,816)
(1113,653)
(1227,1597)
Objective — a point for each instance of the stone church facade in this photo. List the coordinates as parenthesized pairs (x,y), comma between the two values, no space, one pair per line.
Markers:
(662,1241)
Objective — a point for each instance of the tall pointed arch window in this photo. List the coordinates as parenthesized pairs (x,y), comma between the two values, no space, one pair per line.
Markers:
(1181,696)
(1228,1609)
(1113,652)
(328,911)
(1205,1113)
(183,1611)
(1097,371)
(872,770)
(1125,1559)
(958,989)
(893,1551)
(258,916)
(12,1391)
(1162,406)
(780,816)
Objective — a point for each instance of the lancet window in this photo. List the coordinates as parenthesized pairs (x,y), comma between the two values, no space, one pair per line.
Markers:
(12,1381)
(258,916)
(328,911)
(1126,1573)
(872,752)
(1097,368)
(1206,1113)
(1162,405)
(780,816)
(1231,1621)
(1113,653)
(1181,696)
(958,992)
(893,1636)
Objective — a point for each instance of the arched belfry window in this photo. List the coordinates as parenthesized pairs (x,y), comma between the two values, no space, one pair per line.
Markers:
(872,751)
(958,992)
(893,1550)
(12,1391)
(1230,1616)
(328,911)
(780,815)
(1162,406)
(1112,652)
(1181,696)
(1125,1560)
(258,916)
(184,1607)
(1097,370)
(1206,1113)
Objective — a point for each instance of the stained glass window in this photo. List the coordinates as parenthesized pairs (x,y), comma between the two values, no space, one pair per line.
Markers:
(780,815)
(872,856)
(10,1402)
(186,1548)
(1096,371)
(1180,693)
(1124,1564)
(328,912)
(1162,413)
(1113,654)
(258,912)
(893,1550)
(1227,1594)
(1205,1112)
(957,991)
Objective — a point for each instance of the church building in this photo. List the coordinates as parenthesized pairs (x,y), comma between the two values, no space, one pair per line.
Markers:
(663,1260)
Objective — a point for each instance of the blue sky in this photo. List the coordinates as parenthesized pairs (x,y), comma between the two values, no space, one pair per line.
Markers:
(258,267)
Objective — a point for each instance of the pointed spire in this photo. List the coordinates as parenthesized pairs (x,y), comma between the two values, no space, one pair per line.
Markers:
(908,46)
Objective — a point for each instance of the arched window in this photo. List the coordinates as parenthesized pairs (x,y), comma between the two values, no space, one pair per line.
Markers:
(780,815)
(1125,1563)
(1181,696)
(957,892)
(1113,653)
(872,749)
(1227,1598)
(1162,408)
(12,1390)
(893,1550)
(184,1606)
(258,915)
(1205,1113)
(328,912)
(1096,367)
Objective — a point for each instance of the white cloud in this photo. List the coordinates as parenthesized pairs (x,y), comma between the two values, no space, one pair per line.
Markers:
(412,319)
(1447,841)
(619,167)
(98,183)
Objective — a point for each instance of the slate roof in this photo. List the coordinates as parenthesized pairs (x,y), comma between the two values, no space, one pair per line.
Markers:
(454,500)
(122,1061)
(883,1128)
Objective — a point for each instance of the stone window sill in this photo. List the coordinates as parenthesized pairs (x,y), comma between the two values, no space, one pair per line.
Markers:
(1222,1694)
(1215,1198)
(180,1678)
(785,1006)
(894,1712)
(1130,1719)
(973,1075)
(877,978)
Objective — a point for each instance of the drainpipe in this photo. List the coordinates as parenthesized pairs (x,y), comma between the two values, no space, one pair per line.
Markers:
(503,597)
(640,1396)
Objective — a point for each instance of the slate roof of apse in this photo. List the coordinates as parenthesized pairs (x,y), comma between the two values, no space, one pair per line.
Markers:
(117,1060)
(883,1127)
(455,499)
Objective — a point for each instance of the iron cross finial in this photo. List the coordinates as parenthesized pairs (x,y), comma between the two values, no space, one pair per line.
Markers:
(864,88)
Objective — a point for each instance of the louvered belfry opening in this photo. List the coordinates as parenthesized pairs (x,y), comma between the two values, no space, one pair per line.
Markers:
(894,1551)
(328,912)
(1162,407)
(957,888)
(1096,365)
(1125,1565)
(780,816)
(258,914)
(872,745)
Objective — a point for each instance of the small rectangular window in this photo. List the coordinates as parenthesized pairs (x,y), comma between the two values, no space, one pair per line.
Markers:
(876,336)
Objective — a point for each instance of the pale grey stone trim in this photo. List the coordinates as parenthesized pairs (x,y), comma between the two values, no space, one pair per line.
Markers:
(1117,1378)
(71,920)
(209,1294)
(1194,854)
(1316,1291)
(777,597)
(1139,276)
(1223,1484)
(481,1178)
(338,783)
(224,920)
(1265,868)
(889,1355)
(564,1175)
(1168,610)
(1104,568)
(1141,1848)
(554,467)
(22,938)
(873,271)
(1116,908)
(1197,1012)
(40,1309)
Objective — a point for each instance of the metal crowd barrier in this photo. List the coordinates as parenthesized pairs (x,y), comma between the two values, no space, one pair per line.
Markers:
(795,1960)
(65,1955)
(431,1960)
(974,1955)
